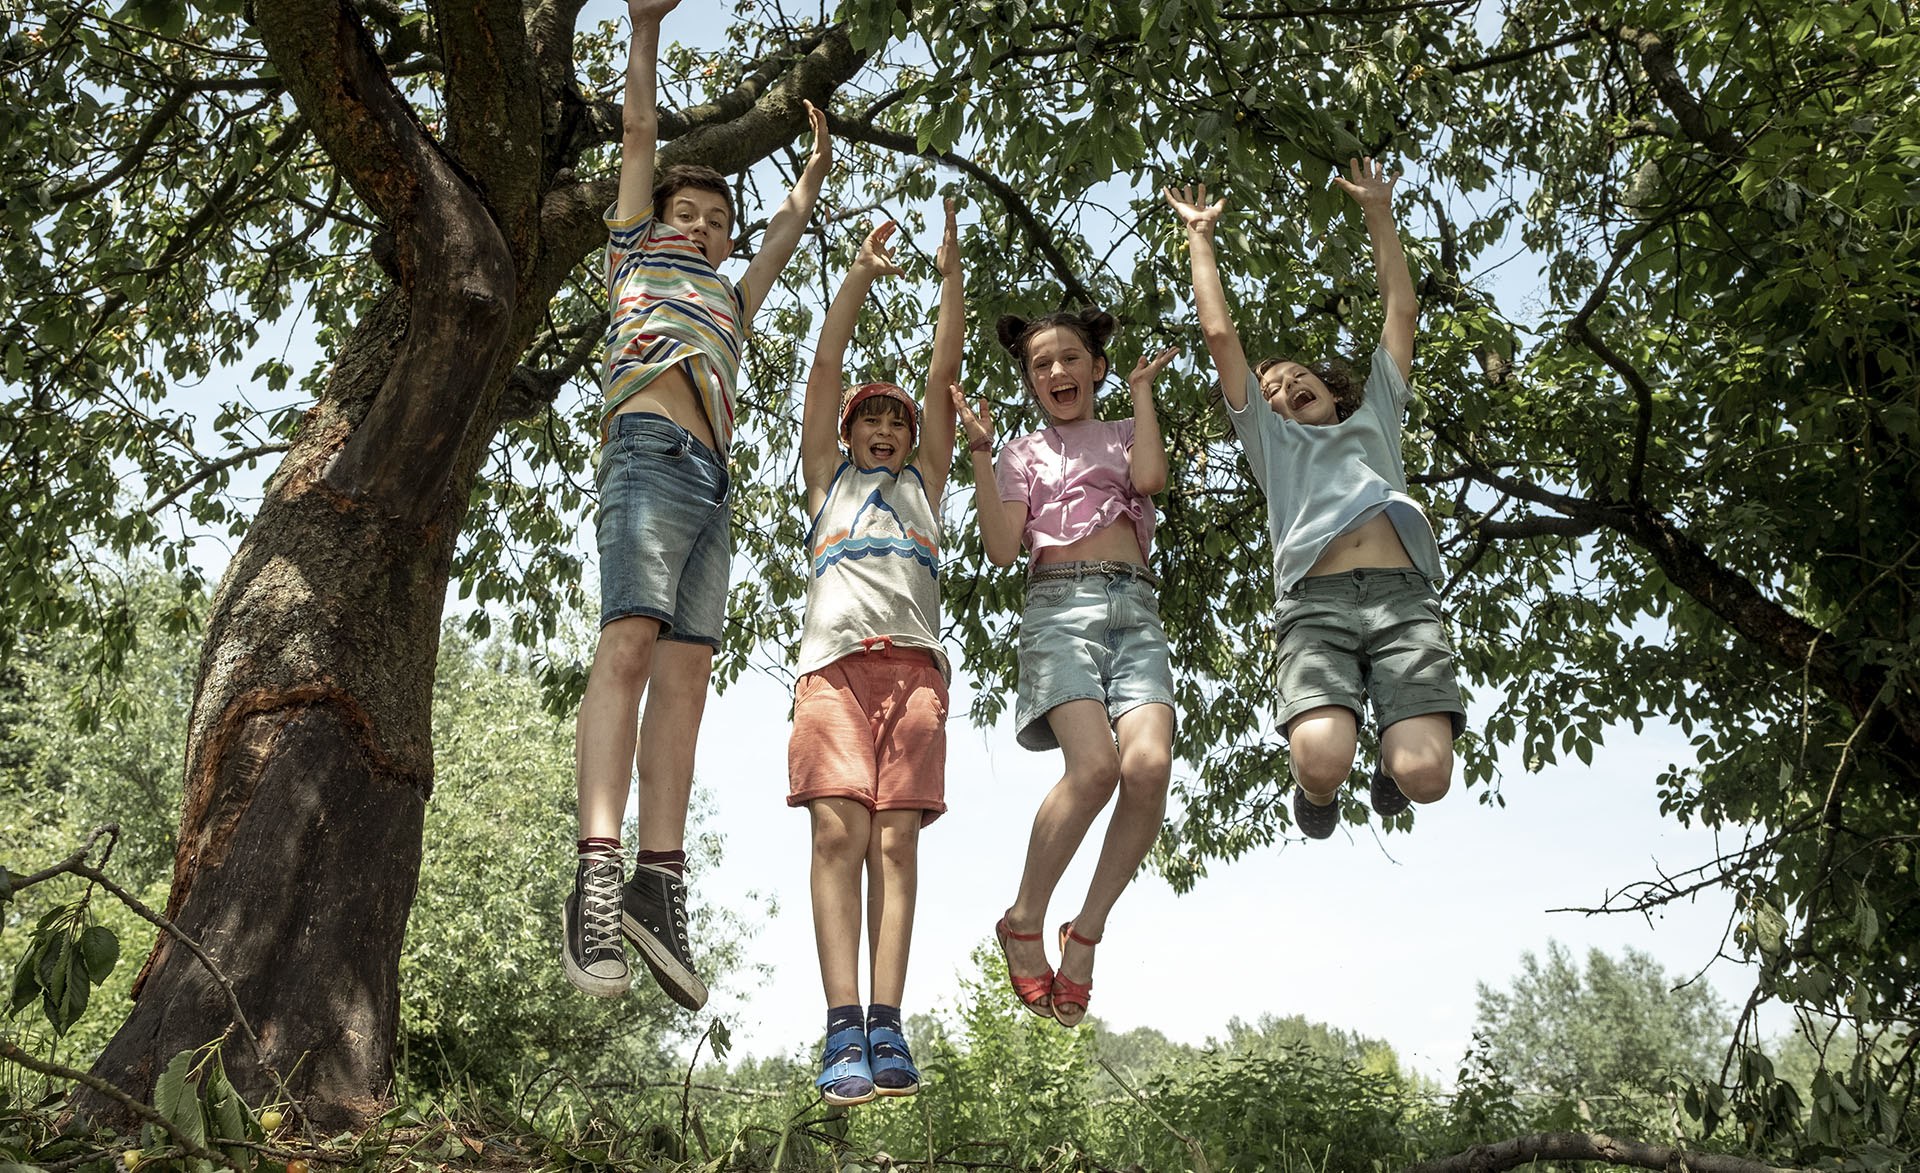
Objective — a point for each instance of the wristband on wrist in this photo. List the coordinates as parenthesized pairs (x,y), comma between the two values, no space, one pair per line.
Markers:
(982,445)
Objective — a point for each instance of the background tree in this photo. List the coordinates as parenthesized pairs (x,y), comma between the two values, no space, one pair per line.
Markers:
(1569,1032)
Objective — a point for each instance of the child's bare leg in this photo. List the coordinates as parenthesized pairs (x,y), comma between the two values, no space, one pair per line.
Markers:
(1321,743)
(893,881)
(1417,753)
(669,733)
(1146,767)
(1092,772)
(842,828)
(608,724)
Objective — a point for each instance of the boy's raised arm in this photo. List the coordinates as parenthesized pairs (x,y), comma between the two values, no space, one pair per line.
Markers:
(783,231)
(820,416)
(640,114)
(1209,296)
(949,333)
(1372,189)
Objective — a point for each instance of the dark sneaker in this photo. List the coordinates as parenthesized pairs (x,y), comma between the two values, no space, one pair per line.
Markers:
(1314,821)
(590,950)
(654,904)
(1385,794)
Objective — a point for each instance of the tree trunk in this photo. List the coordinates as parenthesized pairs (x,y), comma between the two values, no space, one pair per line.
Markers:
(309,764)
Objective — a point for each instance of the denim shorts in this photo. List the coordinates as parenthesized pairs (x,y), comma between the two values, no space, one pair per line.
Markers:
(1373,635)
(664,530)
(1095,636)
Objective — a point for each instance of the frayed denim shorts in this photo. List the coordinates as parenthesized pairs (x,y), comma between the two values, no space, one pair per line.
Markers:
(1090,631)
(664,529)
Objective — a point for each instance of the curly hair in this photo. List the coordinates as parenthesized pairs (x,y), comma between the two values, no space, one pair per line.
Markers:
(1349,390)
(1092,326)
(681,176)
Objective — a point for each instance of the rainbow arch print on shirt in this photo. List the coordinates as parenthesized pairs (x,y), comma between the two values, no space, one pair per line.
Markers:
(877,532)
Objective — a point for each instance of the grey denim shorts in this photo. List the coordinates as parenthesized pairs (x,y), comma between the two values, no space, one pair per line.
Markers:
(1366,635)
(664,529)
(1093,636)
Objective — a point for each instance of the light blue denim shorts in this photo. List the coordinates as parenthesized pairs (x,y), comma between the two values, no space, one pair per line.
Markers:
(1093,636)
(664,529)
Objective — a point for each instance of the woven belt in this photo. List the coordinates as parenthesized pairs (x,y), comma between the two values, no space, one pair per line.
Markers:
(1077,570)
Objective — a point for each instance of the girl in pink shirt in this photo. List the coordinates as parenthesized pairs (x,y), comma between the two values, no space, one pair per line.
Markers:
(1094,673)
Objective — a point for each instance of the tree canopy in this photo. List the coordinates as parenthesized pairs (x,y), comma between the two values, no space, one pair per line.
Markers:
(1676,484)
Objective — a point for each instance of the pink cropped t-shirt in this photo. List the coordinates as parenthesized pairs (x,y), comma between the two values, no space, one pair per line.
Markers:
(1074,480)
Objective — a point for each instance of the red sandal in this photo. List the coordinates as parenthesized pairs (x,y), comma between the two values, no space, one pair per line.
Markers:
(1065,990)
(1035,992)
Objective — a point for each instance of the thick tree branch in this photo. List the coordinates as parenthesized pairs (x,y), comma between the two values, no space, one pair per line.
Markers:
(1589,1146)
(1656,56)
(493,112)
(1015,204)
(452,264)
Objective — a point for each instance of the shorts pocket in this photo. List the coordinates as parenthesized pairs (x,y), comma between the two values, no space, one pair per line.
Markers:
(1049,594)
(655,443)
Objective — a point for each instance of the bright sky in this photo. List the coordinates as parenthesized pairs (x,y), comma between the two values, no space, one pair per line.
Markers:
(1384,937)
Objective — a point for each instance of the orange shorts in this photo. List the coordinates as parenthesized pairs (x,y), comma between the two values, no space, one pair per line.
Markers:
(872,727)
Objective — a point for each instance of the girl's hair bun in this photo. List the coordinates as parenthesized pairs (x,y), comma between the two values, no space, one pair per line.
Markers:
(1011,330)
(1098,325)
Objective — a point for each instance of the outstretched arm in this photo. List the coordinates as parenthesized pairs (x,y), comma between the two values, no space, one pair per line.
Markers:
(1001,522)
(820,417)
(1147,459)
(639,115)
(935,460)
(1209,296)
(1372,189)
(783,231)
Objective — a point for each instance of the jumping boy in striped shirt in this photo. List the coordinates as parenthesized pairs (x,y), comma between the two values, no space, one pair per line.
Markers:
(673,361)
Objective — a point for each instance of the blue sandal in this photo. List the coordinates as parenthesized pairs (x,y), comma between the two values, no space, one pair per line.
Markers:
(848,1079)
(890,1055)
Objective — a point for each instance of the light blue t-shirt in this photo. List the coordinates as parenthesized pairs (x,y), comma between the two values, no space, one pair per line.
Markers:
(1322,481)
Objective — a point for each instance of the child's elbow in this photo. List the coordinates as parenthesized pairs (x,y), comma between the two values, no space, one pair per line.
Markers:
(1150,482)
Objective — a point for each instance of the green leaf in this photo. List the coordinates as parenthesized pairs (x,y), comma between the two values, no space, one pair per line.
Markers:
(101,949)
(176,1099)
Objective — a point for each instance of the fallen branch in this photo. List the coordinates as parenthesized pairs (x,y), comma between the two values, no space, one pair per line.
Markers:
(1590,1146)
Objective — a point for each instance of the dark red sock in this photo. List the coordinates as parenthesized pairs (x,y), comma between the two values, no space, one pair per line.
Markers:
(673,861)
(598,847)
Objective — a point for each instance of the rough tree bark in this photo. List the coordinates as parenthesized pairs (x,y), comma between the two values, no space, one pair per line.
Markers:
(309,757)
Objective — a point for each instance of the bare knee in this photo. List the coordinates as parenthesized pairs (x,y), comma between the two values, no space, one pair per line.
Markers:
(1423,775)
(1145,772)
(1091,778)
(1320,768)
(834,843)
(625,651)
(900,847)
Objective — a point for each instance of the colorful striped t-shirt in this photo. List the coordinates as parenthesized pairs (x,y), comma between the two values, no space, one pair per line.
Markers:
(669,306)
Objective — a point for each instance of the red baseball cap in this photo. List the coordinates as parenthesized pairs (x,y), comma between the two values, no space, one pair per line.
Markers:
(893,391)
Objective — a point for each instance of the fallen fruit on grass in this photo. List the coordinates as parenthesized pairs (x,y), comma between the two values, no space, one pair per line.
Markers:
(131,1159)
(270,1119)
(296,1166)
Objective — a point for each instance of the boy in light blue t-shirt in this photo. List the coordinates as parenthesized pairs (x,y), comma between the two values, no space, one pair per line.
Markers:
(1354,558)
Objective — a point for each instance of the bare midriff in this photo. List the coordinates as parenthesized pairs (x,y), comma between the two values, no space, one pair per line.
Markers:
(1373,543)
(1112,543)
(672,394)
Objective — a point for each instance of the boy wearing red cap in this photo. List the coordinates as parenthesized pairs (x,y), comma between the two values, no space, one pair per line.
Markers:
(868,753)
